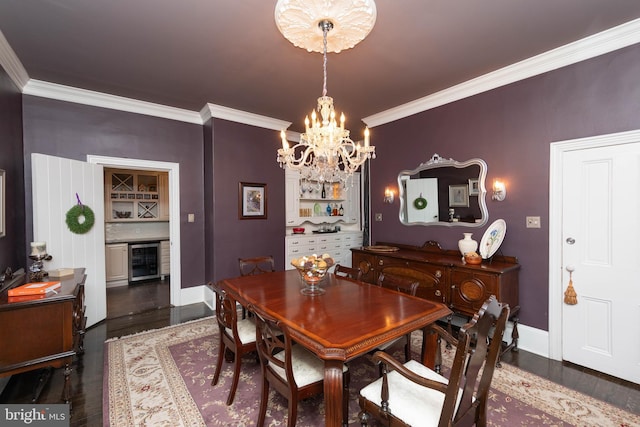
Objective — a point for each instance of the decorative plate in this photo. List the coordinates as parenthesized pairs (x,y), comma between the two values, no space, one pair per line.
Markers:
(317,209)
(420,202)
(492,238)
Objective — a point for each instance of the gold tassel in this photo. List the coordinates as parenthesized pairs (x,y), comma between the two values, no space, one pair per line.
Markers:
(570,295)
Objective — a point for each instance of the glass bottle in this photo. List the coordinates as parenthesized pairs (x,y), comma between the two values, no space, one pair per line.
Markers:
(341,210)
(324,193)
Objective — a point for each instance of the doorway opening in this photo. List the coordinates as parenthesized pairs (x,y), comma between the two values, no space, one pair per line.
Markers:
(174,284)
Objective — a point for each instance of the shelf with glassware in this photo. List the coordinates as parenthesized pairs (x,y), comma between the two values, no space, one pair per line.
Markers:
(134,196)
(304,201)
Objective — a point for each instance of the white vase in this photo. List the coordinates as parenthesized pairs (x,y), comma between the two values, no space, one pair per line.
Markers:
(467,244)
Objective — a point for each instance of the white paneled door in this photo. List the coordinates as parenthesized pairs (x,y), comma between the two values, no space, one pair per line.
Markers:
(56,181)
(426,191)
(600,235)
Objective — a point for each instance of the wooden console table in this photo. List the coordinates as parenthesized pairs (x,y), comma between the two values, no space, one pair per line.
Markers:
(445,277)
(43,332)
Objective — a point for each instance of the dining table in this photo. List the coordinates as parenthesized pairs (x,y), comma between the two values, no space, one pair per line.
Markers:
(348,320)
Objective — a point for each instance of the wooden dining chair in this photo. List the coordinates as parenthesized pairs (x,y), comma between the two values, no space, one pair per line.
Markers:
(349,272)
(237,336)
(414,395)
(401,284)
(292,370)
(253,266)
(256,265)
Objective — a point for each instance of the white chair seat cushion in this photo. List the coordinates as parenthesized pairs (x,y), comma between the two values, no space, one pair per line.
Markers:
(415,405)
(246,330)
(307,367)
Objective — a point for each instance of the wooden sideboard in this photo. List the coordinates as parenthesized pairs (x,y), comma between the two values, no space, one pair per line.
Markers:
(43,332)
(445,277)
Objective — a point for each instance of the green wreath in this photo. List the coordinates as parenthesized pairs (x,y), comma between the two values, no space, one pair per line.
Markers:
(420,203)
(73,216)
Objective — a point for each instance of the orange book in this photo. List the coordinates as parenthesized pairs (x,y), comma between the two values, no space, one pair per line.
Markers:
(21,298)
(39,288)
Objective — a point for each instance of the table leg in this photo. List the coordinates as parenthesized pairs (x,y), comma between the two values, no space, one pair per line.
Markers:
(333,393)
(429,347)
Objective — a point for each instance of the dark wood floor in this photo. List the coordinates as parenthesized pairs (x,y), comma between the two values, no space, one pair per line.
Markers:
(88,370)
(138,297)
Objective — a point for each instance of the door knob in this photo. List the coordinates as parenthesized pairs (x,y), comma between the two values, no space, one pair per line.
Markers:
(571,240)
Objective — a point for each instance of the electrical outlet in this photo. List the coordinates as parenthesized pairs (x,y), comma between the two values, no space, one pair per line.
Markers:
(378,217)
(533,222)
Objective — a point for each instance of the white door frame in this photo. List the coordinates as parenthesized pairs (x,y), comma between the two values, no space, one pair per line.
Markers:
(174,205)
(556,289)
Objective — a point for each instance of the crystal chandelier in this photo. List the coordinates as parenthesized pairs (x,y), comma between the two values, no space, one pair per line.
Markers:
(325,152)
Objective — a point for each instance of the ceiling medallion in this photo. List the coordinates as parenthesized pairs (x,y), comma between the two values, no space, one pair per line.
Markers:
(299,21)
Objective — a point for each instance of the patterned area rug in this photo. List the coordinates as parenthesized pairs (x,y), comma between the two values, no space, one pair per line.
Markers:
(162,377)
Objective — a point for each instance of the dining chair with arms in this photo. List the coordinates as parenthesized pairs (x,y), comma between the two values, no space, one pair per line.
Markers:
(412,394)
(401,284)
(348,272)
(289,368)
(236,335)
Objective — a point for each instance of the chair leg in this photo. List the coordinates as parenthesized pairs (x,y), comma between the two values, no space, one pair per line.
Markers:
(264,398)
(293,413)
(364,418)
(216,374)
(236,377)
(407,348)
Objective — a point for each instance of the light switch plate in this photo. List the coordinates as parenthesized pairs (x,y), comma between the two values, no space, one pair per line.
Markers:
(191,218)
(533,222)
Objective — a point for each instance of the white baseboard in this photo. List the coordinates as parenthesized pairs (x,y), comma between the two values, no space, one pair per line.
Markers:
(533,340)
(192,295)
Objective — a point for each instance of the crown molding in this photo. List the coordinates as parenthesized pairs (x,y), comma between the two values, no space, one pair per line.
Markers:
(113,102)
(598,44)
(219,112)
(11,64)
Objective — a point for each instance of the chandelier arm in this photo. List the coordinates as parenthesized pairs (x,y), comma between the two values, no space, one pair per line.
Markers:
(305,155)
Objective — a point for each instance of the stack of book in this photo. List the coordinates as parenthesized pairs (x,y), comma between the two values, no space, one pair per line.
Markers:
(33,290)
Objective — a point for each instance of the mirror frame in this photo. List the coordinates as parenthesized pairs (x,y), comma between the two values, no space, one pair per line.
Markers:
(439,162)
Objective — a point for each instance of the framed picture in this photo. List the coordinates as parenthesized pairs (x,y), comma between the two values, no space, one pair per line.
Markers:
(252,200)
(459,196)
(2,202)
(474,187)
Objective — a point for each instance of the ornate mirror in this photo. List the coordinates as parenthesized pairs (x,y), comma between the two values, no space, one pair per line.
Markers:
(444,192)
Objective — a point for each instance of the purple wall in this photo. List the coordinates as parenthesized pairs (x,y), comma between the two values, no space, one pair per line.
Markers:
(72,130)
(241,153)
(13,251)
(511,129)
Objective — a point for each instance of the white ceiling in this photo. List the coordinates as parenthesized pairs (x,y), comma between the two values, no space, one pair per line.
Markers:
(189,53)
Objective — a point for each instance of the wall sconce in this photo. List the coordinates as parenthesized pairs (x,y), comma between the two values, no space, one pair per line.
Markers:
(499,191)
(388,195)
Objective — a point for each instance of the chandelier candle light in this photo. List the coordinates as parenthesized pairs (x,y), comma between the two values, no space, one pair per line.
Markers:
(325,152)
